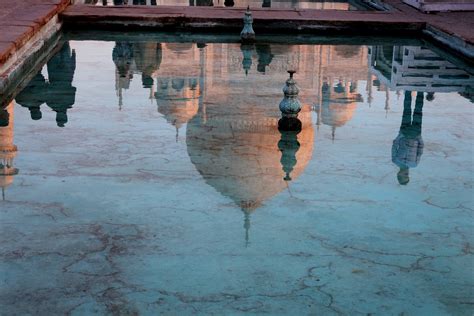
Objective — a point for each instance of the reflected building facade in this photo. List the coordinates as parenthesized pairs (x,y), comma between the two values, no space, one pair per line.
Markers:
(415,68)
(229,97)
(8,149)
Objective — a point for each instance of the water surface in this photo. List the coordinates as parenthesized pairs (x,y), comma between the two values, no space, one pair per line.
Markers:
(145,177)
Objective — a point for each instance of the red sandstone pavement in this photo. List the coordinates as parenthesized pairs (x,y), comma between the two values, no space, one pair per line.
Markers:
(20,20)
(459,24)
(93,14)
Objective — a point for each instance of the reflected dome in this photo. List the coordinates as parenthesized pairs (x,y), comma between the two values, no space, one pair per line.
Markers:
(337,114)
(339,103)
(236,150)
(177,105)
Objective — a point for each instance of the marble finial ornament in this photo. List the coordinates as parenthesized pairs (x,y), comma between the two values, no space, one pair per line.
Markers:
(290,106)
(248,34)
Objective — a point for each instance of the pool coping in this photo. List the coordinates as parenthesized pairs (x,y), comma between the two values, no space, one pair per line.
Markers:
(403,19)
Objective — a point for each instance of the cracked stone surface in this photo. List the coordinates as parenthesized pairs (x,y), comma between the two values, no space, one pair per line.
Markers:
(144,210)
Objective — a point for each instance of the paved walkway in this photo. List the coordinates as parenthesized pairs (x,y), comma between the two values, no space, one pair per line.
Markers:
(450,28)
(218,17)
(20,20)
(459,24)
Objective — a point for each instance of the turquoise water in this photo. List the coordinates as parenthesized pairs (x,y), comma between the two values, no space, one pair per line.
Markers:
(145,178)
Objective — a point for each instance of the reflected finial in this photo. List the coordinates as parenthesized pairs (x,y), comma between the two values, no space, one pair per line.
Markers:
(247,51)
(290,106)
(3,193)
(333,134)
(248,34)
(177,133)
(247,227)
(120,99)
(288,146)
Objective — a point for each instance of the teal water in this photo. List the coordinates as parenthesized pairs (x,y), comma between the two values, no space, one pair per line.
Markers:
(145,178)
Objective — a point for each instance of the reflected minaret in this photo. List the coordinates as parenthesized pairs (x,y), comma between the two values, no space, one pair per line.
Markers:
(122,55)
(387,101)
(7,149)
(407,147)
(247,227)
(288,145)
(247,51)
(369,89)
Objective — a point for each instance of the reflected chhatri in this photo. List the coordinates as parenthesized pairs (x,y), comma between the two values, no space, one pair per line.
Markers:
(58,93)
(170,189)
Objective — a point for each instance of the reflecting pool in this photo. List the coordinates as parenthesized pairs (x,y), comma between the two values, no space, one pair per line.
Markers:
(149,177)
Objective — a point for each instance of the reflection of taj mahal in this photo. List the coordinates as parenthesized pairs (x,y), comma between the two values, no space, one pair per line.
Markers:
(182,77)
(228,95)
(417,68)
(7,149)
